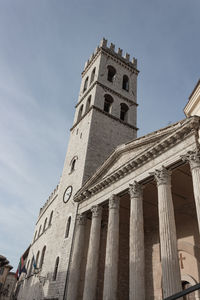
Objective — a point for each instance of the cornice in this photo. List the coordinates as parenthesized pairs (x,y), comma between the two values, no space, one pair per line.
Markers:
(105,113)
(114,56)
(105,88)
(188,128)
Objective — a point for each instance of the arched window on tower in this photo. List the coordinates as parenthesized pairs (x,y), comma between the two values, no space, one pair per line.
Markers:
(42,256)
(68,227)
(37,259)
(111,73)
(88,104)
(50,219)
(85,84)
(125,83)
(56,269)
(73,163)
(80,113)
(45,224)
(92,75)
(108,100)
(124,112)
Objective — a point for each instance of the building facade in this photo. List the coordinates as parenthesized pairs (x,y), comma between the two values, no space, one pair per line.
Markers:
(124,221)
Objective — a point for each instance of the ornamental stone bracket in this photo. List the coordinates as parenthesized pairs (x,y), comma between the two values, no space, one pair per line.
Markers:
(193,157)
(135,190)
(162,176)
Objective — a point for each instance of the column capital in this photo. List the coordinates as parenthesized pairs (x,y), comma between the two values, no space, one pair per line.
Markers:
(114,202)
(81,219)
(162,176)
(96,211)
(135,190)
(193,157)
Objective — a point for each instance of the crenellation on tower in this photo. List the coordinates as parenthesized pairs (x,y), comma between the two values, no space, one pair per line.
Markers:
(111,50)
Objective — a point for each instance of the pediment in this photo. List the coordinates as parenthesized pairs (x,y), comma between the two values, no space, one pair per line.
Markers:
(131,155)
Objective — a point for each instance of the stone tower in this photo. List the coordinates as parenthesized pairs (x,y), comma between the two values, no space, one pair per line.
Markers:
(105,114)
(105,117)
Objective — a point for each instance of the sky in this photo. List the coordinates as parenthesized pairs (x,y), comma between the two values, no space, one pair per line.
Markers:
(43,47)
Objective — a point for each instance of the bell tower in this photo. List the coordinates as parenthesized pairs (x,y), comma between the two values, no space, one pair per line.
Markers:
(106,112)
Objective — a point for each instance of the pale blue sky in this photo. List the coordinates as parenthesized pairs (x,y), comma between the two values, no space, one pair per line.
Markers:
(43,47)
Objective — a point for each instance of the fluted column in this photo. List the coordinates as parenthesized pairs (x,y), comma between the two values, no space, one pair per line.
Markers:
(74,274)
(93,255)
(112,249)
(171,278)
(194,160)
(136,256)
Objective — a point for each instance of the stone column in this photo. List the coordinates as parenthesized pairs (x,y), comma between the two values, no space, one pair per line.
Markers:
(136,256)
(112,249)
(93,255)
(194,161)
(78,249)
(171,278)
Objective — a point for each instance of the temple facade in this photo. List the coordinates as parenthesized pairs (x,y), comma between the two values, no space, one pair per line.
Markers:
(124,220)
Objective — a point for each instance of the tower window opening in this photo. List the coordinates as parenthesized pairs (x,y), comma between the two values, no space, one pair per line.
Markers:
(56,269)
(125,84)
(68,227)
(42,256)
(92,75)
(111,73)
(85,84)
(108,100)
(80,113)
(88,103)
(124,112)
(73,163)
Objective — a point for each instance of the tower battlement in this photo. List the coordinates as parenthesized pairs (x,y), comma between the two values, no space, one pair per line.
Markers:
(48,201)
(111,50)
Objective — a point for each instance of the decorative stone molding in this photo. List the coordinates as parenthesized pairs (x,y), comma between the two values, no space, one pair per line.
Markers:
(193,157)
(96,211)
(135,190)
(114,202)
(174,134)
(162,176)
(81,219)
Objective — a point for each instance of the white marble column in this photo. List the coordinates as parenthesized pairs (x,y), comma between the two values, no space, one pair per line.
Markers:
(194,161)
(78,249)
(93,255)
(171,278)
(112,249)
(136,256)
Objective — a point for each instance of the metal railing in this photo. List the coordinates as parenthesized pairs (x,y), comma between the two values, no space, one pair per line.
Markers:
(185,292)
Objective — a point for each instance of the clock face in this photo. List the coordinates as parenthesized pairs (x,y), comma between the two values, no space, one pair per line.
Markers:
(67,194)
